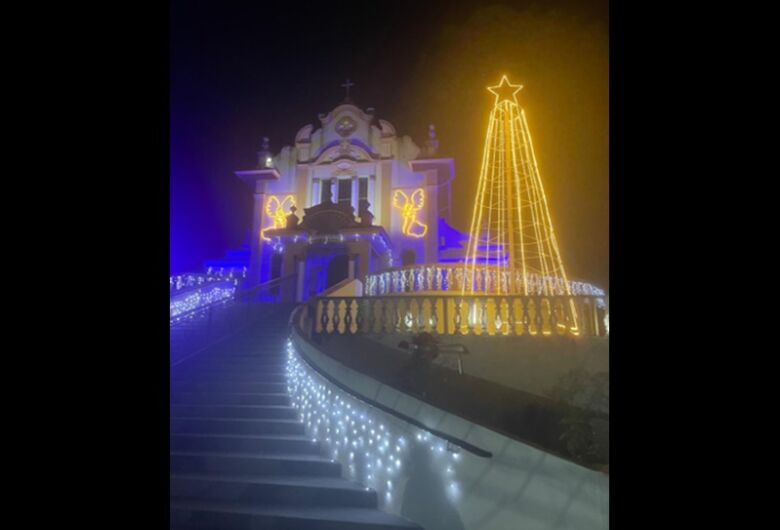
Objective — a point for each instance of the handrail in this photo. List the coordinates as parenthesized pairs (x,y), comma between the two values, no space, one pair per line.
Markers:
(269,283)
(334,287)
(224,318)
(454,440)
(238,295)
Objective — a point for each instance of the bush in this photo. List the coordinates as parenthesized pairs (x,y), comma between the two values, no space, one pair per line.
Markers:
(584,430)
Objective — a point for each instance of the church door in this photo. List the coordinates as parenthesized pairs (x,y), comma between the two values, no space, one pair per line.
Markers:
(276,266)
(408,257)
(338,270)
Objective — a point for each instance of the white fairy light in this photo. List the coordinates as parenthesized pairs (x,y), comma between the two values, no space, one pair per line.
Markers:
(198,298)
(381,458)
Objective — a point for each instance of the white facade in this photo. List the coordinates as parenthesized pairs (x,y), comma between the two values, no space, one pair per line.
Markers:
(353,157)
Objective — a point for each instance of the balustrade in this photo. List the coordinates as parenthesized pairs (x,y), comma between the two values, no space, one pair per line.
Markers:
(481,315)
(456,279)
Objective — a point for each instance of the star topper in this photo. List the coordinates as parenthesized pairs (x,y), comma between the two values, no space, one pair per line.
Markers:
(505,90)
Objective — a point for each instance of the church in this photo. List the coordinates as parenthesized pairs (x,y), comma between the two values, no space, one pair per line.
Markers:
(351,196)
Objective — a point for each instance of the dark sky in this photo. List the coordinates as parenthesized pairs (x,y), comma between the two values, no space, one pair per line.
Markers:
(240,71)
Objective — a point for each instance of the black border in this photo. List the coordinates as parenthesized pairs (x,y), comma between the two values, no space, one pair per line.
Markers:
(88,327)
(86,216)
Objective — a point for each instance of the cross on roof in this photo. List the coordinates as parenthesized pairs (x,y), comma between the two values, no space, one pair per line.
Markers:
(347,85)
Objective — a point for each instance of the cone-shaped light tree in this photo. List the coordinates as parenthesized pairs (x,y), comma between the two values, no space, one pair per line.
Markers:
(512,247)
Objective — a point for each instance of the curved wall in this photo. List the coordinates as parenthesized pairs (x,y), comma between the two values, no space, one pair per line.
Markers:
(436,484)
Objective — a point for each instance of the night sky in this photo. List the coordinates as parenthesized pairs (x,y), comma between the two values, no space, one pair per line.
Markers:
(241,71)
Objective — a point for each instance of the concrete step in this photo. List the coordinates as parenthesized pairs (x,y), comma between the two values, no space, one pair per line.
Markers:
(279,491)
(243,387)
(235,426)
(253,341)
(190,514)
(240,457)
(238,376)
(228,376)
(228,362)
(234,411)
(245,443)
(272,464)
(235,356)
(183,371)
(250,341)
(264,334)
(228,398)
(235,387)
(253,347)
(275,339)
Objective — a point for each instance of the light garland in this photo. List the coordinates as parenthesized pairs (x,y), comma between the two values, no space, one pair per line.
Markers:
(275,210)
(409,207)
(278,241)
(450,278)
(194,299)
(511,224)
(372,446)
(185,281)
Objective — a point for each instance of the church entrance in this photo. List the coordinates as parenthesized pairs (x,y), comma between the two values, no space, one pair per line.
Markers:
(338,270)
(276,266)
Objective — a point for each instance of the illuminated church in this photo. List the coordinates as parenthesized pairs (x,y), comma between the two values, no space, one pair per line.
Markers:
(351,196)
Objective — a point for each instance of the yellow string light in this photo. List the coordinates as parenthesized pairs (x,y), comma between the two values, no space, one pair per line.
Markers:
(275,210)
(511,231)
(409,207)
(505,91)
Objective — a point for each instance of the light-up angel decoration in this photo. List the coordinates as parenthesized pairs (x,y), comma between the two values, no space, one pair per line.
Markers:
(409,207)
(275,210)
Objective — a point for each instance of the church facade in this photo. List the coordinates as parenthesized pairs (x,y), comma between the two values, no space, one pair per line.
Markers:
(349,197)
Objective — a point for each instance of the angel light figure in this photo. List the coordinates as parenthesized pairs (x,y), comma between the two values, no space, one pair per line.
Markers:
(409,207)
(275,209)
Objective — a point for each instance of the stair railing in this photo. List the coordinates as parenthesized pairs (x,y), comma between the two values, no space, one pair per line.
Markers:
(198,329)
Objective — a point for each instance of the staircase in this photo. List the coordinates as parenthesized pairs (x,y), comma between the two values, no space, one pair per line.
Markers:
(240,458)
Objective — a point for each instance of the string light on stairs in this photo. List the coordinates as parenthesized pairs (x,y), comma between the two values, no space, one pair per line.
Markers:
(376,456)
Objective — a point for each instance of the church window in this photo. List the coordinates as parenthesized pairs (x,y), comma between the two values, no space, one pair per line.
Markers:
(345,191)
(345,126)
(325,191)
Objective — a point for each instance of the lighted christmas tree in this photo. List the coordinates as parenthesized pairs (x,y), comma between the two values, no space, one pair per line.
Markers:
(512,247)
